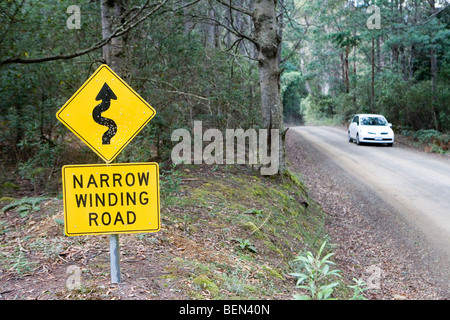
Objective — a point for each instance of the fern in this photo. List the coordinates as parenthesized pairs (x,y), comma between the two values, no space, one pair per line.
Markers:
(25,205)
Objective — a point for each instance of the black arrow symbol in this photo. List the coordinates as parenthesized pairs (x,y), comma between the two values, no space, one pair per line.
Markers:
(105,94)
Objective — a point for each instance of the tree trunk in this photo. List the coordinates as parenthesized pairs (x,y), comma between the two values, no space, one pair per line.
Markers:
(347,80)
(405,72)
(433,71)
(187,24)
(372,85)
(355,77)
(113,52)
(268,42)
(210,27)
(411,62)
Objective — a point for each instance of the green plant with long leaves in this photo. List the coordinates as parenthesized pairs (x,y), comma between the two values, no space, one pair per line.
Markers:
(358,289)
(316,275)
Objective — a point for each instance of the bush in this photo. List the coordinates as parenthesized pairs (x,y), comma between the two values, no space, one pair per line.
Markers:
(317,275)
(316,108)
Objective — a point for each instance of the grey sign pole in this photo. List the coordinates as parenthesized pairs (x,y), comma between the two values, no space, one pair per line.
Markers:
(114,257)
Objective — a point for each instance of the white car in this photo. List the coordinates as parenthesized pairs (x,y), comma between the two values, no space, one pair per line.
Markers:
(370,128)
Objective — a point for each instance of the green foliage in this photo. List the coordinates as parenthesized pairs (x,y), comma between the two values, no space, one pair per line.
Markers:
(257,212)
(438,142)
(425,135)
(245,244)
(20,264)
(205,283)
(170,180)
(292,84)
(172,70)
(337,61)
(319,280)
(358,289)
(317,275)
(25,206)
(317,107)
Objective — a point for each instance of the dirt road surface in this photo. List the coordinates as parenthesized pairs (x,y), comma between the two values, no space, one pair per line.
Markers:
(390,206)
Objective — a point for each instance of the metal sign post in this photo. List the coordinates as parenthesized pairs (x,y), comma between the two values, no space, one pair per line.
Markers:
(114,257)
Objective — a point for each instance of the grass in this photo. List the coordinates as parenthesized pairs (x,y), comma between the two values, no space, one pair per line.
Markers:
(262,222)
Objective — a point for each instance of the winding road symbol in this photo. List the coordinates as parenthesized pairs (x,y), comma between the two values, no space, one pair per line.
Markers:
(106,95)
(106,126)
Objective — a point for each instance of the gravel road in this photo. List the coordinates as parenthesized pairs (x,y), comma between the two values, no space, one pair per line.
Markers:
(389,210)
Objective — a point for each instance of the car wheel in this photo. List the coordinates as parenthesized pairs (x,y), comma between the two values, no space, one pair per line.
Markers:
(357,139)
(349,139)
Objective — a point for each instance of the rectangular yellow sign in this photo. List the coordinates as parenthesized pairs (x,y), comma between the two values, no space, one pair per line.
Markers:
(111,198)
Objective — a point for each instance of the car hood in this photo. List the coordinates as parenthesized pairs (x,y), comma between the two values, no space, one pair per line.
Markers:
(377,129)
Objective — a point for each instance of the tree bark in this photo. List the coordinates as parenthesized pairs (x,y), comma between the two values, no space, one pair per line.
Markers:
(433,71)
(372,85)
(355,79)
(114,51)
(268,43)
(347,80)
(211,27)
(187,24)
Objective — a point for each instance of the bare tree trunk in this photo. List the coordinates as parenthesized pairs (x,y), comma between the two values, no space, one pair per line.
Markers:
(210,27)
(187,24)
(268,42)
(355,78)
(403,62)
(433,71)
(372,86)
(394,52)
(411,62)
(379,58)
(347,80)
(113,52)
(107,27)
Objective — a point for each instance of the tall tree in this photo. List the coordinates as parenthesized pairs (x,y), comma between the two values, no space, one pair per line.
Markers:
(433,70)
(267,41)
(114,50)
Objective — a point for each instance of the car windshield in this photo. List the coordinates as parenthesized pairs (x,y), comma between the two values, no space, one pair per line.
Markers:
(373,121)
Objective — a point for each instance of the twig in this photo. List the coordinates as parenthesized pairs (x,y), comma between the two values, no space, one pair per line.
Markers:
(20,246)
(262,224)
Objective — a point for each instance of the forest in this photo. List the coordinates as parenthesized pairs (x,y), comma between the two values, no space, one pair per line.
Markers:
(230,64)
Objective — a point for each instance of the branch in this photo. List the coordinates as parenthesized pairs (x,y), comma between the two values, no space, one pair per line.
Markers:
(297,45)
(233,30)
(295,48)
(124,28)
(175,89)
(236,8)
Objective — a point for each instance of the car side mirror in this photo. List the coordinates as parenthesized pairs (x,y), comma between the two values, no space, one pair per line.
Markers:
(390,125)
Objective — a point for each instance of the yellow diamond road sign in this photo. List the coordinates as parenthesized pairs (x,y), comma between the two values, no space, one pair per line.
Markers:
(111,198)
(106,113)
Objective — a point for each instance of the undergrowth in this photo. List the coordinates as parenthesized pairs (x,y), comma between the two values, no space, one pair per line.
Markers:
(227,233)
